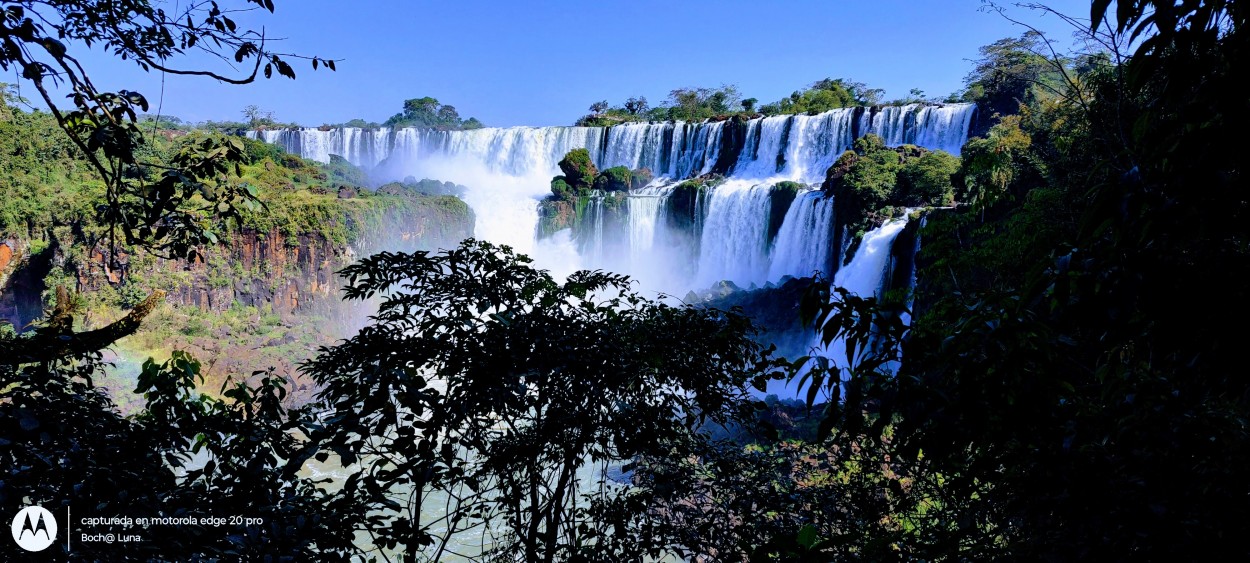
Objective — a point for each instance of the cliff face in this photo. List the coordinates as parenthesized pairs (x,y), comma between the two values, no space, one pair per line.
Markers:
(283,273)
(253,269)
(21,283)
(264,299)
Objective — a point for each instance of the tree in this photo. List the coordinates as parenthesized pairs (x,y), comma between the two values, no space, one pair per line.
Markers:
(701,103)
(990,164)
(484,382)
(579,170)
(636,105)
(927,180)
(184,454)
(165,214)
(448,114)
(257,117)
(824,95)
(1011,72)
(599,107)
(748,105)
(1075,405)
(428,112)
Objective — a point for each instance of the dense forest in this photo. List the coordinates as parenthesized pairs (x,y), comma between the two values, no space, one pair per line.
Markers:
(1059,383)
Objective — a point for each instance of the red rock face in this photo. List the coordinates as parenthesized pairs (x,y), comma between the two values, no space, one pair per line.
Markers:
(20,285)
(288,278)
(259,269)
(6,256)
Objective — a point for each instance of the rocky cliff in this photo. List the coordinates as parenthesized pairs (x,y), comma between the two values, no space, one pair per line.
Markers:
(264,298)
(21,282)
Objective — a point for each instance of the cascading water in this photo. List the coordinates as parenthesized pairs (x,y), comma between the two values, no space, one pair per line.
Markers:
(799,143)
(865,276)
(644,209)
(509,170)
(765,137)
(804,244)
(735,242)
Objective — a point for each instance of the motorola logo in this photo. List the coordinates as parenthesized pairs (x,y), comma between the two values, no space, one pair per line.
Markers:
(34,528)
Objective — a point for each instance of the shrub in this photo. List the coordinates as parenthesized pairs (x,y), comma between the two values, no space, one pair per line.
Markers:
(561,189)
(615,179)
(927,180)
(579,170)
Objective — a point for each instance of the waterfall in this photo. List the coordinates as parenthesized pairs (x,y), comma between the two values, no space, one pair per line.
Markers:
(933,127)
(592,241)
(734,244)
(644,208)
(763,144)
(816,141)
(508,170)
(805,243)
(866,275)
(804,143)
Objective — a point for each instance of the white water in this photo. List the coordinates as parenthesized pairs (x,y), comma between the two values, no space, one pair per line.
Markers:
(734,245)
(804,244)
(866,276)
(507,170)
(644,210)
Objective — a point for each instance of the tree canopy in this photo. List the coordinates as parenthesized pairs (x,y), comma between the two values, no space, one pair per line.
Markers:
(173,212)
(428,112)
(825,95)
(1068,386)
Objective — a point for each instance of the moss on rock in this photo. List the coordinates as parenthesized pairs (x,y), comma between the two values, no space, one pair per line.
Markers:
(873,182)
(780,197)
(640,178)
(579,170)
(615,179)
(687,201)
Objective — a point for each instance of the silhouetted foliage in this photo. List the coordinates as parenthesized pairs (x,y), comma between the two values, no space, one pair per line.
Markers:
(484,382)
(1060,389)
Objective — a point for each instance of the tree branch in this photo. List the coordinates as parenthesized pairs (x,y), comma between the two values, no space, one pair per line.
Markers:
(57,341)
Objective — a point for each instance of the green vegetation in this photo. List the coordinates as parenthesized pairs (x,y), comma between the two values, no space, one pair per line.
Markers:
(780,196)
(428,112)
(534,378)
(579,176)
(49,197)
(873,182)
(42,180)
(64,440)
(926,180)
(557,213)
(621,179)
(687,203)
(571,193)
(1014,72)
(615,179)
(993,162)
(170,206)
(684,104)
(725,102)
(1063,397)
(1070,387)
(825,95)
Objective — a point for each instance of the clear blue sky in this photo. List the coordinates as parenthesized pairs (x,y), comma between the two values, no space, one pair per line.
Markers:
(544,63)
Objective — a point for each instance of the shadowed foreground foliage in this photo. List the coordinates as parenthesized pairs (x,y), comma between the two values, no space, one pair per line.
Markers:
(486,382)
